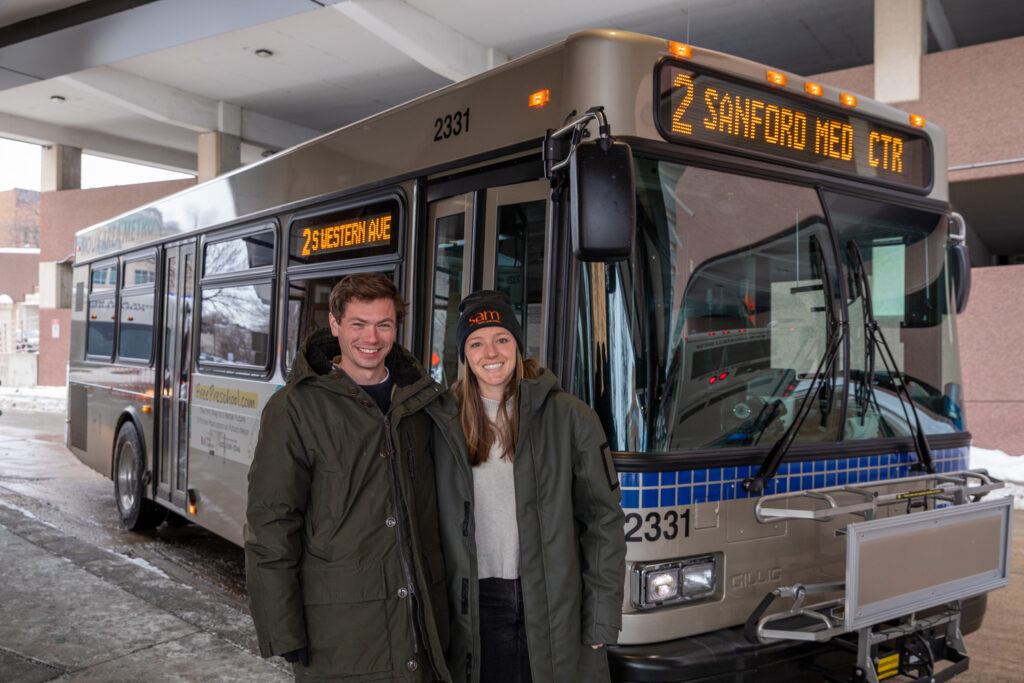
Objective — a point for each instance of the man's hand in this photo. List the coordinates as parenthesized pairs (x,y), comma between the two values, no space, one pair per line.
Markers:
(597,647)
(301,656)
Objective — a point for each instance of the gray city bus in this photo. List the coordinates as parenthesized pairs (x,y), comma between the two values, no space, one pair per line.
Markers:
(753,278)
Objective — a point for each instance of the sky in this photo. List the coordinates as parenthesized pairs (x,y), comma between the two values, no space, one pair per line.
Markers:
(20,164)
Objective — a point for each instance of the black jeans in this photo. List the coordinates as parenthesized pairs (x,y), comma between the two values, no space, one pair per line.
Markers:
(503,654)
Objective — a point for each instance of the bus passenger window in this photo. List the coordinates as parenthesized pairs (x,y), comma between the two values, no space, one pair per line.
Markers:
(135,333)
(102,320)
(140,272)
(234,325)
(239,254)
(135,339)
(520,265)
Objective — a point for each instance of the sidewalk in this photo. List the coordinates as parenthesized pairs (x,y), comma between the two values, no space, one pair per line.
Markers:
(72,611)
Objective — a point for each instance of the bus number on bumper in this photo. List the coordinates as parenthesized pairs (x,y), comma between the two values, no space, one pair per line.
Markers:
(655,526)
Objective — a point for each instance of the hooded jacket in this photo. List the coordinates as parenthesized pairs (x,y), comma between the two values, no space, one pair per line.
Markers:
(572,544)
(342,550)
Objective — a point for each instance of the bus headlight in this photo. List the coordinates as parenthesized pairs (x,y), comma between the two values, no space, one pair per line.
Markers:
(669,583)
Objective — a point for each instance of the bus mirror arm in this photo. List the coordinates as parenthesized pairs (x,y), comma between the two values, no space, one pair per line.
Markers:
(554,159)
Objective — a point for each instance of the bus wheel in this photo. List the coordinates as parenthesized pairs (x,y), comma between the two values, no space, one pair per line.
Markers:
(137,513)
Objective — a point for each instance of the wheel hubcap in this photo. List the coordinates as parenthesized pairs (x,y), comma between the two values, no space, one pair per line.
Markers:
(126,477)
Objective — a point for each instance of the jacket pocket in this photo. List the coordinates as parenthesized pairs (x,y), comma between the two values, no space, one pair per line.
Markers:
(346,619)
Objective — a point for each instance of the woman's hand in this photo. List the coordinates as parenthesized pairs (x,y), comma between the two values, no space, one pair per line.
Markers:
(596,647)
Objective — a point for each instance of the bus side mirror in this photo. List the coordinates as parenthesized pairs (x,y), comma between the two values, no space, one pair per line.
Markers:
(959,262)
(602,204)
(960,266)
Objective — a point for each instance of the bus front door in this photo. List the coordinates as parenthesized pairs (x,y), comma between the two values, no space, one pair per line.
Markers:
(175,372)
(491,238)
(515,245)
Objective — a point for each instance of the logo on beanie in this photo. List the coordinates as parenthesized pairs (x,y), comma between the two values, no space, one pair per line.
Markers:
(484,317)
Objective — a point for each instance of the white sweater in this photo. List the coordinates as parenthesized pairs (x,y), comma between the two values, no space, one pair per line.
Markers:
(497,533)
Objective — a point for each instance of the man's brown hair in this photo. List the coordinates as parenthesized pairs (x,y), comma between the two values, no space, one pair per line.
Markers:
(366,287)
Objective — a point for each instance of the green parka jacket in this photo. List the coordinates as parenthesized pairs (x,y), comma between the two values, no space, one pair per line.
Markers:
(342,551)
(571,533)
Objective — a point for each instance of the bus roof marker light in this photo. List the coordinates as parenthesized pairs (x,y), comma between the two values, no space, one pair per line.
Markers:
(813,89)
(540,98)
(847,100)
(917,120)
(775,77)
(680,49)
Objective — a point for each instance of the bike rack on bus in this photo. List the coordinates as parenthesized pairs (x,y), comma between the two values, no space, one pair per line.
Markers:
(936,557)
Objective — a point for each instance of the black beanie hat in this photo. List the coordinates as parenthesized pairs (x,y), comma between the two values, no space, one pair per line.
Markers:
(486,308)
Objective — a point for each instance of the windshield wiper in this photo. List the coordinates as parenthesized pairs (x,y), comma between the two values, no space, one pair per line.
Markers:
(826,369)
(873,339)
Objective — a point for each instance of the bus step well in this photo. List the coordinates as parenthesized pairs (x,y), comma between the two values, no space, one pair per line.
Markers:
(898,608)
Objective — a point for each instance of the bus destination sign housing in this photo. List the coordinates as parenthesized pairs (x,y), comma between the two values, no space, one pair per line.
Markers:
(697,107)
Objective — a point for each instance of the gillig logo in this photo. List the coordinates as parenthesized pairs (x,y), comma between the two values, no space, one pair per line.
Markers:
(485,317)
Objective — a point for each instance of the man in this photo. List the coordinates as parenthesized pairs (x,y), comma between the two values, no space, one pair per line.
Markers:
(343,560)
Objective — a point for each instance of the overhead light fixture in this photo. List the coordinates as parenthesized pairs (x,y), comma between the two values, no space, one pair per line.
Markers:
(268,153)
(57,98)
(264,52)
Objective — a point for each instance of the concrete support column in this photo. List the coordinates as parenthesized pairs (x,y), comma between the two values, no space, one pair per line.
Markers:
(61,168)
(218,153)
(900,41)
(220,150)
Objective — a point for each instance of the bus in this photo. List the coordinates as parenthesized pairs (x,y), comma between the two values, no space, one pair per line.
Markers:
(752,277)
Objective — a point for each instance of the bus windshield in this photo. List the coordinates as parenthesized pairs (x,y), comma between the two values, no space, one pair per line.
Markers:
(712,333)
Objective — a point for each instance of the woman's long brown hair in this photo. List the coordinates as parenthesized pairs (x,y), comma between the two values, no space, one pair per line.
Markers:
(480,432)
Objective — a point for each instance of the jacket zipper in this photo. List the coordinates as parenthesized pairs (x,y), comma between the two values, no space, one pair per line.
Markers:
(404,552)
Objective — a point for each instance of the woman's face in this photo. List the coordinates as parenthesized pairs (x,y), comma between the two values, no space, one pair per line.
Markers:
(491,357)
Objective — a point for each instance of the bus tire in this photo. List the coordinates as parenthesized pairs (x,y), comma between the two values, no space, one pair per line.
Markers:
(136,511)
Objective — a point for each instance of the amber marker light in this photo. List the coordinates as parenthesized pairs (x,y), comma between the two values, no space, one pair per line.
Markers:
(775,77)
(147,409)
(847,100)
(680,49)
(916,120)
(540,98)
(813,89)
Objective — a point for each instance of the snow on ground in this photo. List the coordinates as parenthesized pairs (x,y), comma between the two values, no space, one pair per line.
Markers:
(35,399)
(1009,468)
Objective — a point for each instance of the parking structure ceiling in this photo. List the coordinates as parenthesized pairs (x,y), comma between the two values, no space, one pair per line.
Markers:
(139,79)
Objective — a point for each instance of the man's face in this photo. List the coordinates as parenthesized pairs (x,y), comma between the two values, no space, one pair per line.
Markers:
(366,333)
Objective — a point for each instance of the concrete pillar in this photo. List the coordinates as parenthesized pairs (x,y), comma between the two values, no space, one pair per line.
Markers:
(900,41)
(61,168)
(220,150)
(218,153)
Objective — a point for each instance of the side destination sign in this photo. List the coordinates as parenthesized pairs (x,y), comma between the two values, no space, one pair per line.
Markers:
(699,108)
(366,230)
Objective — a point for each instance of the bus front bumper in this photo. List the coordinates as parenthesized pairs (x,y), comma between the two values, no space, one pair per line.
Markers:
(724,655)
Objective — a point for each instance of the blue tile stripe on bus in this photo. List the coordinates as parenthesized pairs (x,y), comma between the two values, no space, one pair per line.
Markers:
(642,490)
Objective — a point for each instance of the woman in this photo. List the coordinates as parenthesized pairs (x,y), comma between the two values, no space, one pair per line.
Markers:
(530,519)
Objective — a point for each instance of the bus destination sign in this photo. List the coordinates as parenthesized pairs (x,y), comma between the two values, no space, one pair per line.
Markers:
(361,231)
(697,107)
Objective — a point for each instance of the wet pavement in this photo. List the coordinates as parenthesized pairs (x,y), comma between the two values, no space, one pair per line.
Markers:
(81,599)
